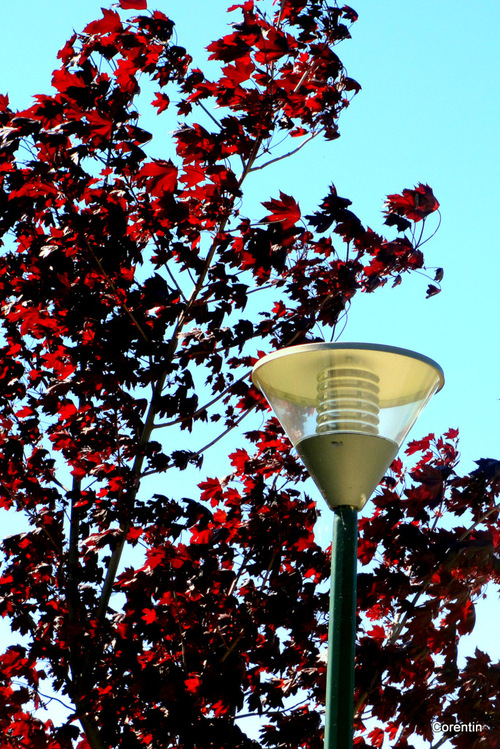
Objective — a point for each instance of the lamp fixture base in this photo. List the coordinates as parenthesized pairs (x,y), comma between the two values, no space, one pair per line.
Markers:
(347,466)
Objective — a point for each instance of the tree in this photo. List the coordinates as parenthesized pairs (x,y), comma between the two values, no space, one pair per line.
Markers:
(128,288)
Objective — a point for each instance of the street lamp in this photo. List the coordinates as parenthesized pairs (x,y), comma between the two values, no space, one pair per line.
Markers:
(346,407)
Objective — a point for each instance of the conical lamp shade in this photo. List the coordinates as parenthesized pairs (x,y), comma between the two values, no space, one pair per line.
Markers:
(347,407)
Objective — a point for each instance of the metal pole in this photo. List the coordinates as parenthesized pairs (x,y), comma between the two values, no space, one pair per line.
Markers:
(342,631)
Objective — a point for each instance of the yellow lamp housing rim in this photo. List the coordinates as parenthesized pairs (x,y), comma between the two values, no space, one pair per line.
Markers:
(292,373)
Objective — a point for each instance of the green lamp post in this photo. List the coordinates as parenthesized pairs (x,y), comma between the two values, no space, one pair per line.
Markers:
(346,407)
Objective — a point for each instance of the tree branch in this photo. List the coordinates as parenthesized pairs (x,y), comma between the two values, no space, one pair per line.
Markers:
(285,155)
(198,411)
(440,742)
(223,434)
(136,469)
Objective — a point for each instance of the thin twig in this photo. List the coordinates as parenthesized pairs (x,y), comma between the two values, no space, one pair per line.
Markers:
(198,411)
(440,742)
(209,114)
(433,233)
(285,155)
(223,434)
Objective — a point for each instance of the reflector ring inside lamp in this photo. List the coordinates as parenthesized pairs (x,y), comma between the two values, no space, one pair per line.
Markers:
(347,401)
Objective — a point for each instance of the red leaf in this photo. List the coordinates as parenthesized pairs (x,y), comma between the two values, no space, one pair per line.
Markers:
(62,80)
(67,411)
(279,309)
(24,412)
(192,685)
(161,102)
(419,445)
(220,708)
(125,76)
(377,633)
(79,472)
(467,619)
(349,13)
(351,85)
(415,204)
(272,45)
(238,459)
(236,74)
(451,434)
(108,23)
(100,125)
(229,49)
(366,550)
(286,211)
(134,534)
(160,176)
(193,175)
(201,537)
(377,737)
(149,616)
(211,489)
(134,4)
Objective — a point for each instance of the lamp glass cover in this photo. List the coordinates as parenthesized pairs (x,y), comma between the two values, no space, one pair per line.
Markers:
(362,398)
(347,387)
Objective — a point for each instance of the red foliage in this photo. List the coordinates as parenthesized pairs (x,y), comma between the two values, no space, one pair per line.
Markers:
(414,204)
(133,4)
(285,211)
(129,328)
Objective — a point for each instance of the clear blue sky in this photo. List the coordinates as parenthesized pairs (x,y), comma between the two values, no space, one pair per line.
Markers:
(428,111)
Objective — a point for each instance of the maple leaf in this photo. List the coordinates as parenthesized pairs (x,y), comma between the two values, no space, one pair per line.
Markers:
(211,490)
(236,74)
(63,80)
(419,445)
(239,459)
(192,684)
(401,223)
(466,618)
(125,73)
(25,412)
(414,204)
(100,124)
(161,101)
(377,633)
(229,49)
(160,176)
(376,737)
(333,209)
(149,616)
(349,13)
(432,291)
(271,46)
(133,4)
(193,175)
(110,22)
(285,211)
